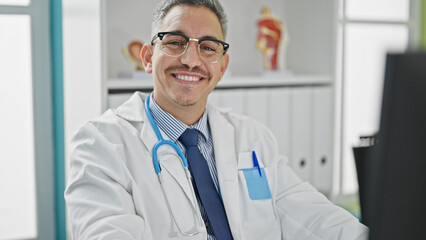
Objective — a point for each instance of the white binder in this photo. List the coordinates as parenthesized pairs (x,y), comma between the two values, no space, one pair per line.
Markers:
(279,118)
(233,99)
(215,98)
(256,101)
(301,132)
(323,139)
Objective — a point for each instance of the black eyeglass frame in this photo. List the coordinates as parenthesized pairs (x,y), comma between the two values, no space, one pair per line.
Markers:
(160,35)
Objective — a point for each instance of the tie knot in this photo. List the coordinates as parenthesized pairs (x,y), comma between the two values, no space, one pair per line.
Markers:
(189,138)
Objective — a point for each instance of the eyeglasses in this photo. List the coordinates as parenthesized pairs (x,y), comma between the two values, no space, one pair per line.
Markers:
(174,44)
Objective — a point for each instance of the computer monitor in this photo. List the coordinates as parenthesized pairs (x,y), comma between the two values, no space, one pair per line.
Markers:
(397,196)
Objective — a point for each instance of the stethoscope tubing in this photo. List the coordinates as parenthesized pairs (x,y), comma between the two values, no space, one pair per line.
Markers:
(161,141)
(157,168)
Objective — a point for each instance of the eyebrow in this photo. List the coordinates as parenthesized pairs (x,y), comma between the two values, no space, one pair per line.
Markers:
(202,37)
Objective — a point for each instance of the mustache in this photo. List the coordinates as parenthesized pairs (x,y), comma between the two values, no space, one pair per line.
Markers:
(184,68)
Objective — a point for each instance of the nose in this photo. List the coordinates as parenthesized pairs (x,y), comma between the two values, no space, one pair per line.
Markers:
(191,57)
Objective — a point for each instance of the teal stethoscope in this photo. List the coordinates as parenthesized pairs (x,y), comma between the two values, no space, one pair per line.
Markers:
(162,142)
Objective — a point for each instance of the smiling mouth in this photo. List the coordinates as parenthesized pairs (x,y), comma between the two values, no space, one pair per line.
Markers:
(187,78)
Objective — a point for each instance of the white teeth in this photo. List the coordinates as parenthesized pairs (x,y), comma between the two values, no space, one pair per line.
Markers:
(187,78)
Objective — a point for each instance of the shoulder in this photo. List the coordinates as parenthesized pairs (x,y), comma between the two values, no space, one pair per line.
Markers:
(113,123)
(100,123)
(108,127)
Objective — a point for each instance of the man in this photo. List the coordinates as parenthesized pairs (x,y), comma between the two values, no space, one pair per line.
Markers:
(240,187)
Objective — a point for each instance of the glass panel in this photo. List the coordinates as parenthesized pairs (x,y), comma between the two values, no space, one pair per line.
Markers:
(365,50)
(15,2)
(17,173)
(340,8)
(397,10)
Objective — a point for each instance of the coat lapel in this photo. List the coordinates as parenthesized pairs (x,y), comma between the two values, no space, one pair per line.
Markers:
(227,168)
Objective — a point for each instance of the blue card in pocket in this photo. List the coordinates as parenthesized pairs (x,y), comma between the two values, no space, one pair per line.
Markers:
(257,184)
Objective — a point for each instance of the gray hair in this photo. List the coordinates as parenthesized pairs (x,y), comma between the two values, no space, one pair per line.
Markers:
(164,6)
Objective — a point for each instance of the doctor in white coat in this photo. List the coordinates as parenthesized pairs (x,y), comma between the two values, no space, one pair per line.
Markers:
(114,192)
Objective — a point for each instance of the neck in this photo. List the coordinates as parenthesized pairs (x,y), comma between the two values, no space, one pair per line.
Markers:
(187,114)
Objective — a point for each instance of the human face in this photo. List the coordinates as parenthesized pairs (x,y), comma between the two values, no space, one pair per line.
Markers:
(187,80)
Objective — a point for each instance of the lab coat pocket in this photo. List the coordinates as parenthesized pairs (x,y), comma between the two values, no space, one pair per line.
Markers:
(257,183)
(257,213)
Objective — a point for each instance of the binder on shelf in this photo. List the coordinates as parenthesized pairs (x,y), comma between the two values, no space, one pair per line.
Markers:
(256,104)
(215,98)
(322,119)
(279,118)
(233,99)
(301,132)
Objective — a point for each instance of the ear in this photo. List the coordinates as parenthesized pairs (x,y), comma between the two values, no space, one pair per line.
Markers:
(146,56)
(224,63)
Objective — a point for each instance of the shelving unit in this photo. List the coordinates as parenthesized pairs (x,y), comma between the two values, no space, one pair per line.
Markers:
(130,85)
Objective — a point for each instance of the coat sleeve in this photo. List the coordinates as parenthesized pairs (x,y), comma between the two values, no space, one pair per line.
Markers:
(305,213)
(98,195)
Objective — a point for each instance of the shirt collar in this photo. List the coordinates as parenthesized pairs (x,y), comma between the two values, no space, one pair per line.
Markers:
(172,126)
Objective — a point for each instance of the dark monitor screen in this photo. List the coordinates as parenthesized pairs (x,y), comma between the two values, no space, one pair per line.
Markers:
(397,195)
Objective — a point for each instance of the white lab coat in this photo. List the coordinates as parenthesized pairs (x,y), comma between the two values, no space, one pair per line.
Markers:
(114,193)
